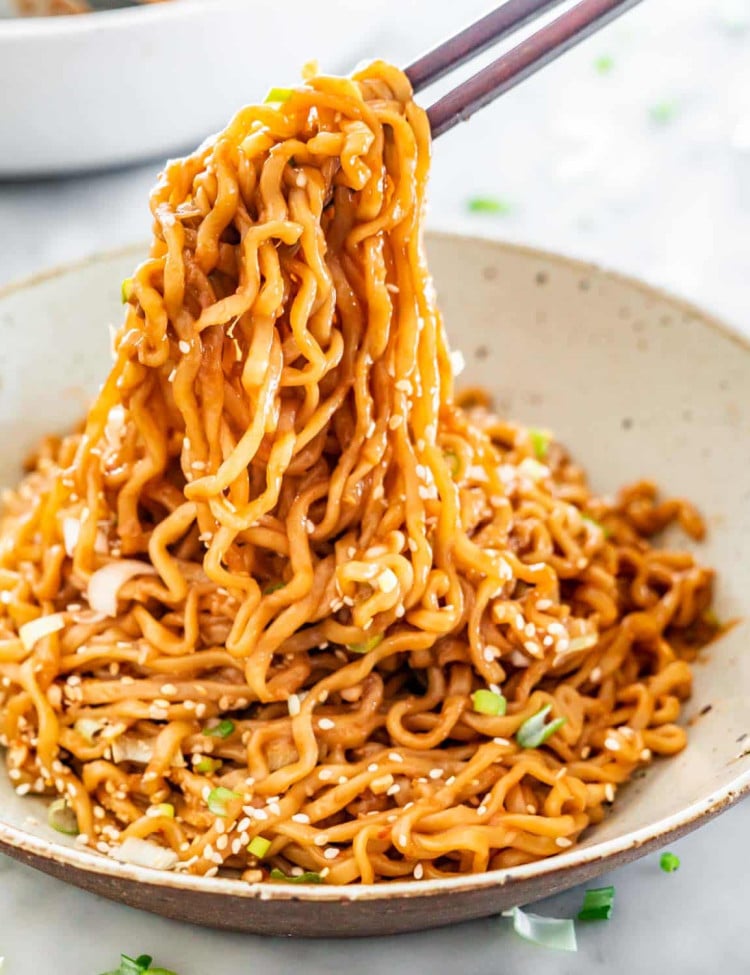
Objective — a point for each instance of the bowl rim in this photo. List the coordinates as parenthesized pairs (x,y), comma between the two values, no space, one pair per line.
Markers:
(19,842)
(19,28)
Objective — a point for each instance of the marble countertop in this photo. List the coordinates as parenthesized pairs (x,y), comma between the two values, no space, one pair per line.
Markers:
(632,151)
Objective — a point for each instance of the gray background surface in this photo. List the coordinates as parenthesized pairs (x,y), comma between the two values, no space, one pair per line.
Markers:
(586,169)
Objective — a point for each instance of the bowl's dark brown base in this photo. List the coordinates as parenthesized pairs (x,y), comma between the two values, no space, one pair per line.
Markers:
(308,917)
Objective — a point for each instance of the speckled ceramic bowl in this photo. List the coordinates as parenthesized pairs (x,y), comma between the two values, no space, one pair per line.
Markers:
(635,382)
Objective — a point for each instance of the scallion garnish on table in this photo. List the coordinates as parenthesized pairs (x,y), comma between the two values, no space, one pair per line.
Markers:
(669,862)
(137,966)
(490,205)
(597,904)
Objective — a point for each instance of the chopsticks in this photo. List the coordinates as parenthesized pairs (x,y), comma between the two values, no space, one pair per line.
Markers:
(512,67)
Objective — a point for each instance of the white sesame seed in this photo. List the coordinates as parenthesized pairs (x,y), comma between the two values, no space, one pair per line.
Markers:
(331,853)
(325,774)
(418,872)
(301,818)
(612,744)
(395,757)
(183,346)
(325,724)
(609,792)
(321,839)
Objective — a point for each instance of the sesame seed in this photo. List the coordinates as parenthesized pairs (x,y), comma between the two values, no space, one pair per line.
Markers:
(301,818)
(418,872)
(183,346)
(325,774)
(609,792)
(436,773)
(293,703)
(563,842)
(373,767)
(168,689)
(331,853)
(321,839)
(325,724)
(612,744)
(646,754)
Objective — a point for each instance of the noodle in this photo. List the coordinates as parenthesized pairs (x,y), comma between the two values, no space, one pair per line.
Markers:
(280,559)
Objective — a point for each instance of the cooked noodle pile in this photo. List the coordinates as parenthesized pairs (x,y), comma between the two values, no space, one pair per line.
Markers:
(283,605)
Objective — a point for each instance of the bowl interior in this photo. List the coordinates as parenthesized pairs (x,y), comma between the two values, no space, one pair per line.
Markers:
(636,383)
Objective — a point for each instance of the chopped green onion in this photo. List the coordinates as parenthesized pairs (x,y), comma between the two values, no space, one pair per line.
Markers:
(604,64)
(61,817)
(218,799)
(259,846)
(488,204)
(534,732)
(597,904)
(451,459)
(221,730)
(709,617)
(308,877)
(207,765)
(664,112)
(137,966)
(274,587)
(367,646)
(125,289)
(605,531)
(488,702)
(669,862)
(163,809)
(276,95)
(549,932)
(540,441)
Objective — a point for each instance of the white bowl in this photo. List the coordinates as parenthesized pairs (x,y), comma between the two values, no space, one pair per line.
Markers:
(562,344)
(89,91)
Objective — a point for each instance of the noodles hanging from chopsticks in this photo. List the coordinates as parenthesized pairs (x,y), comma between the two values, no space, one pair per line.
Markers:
(284,604)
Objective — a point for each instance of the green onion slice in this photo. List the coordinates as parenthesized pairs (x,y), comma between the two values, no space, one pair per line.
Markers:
(125,290)
(540,441)
(489,204)
(207,765)
(136,966)
(592,521)
(597,904)
(534,732)
(604,64)
(164,809)
(274,587)
(451,459)
(669,862)
(218,799)
(488,702)
(308,877)
(259,846)
(367,646)
(221,730)
(277,95)
(663,112)
(550,932)
(60,816)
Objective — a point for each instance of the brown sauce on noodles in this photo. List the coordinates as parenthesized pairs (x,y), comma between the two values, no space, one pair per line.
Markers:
(280,558)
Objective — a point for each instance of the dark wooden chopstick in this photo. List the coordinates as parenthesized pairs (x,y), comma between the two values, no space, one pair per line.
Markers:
(473,40)
(512,67)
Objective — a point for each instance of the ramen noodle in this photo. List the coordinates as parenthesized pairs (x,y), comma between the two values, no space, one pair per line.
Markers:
(285,607)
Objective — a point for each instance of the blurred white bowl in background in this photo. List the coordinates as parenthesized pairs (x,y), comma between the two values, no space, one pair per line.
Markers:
(108,89)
